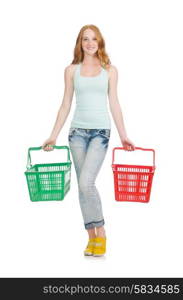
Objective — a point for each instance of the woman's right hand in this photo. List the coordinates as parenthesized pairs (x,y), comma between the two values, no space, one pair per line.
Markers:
(46,146)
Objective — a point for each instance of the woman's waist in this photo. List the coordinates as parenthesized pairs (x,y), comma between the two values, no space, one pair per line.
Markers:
(91,108)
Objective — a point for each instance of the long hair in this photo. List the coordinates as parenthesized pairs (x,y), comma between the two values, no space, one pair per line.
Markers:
(101,52)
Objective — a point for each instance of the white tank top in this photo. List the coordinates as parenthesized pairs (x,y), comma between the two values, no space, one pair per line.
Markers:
(91,111)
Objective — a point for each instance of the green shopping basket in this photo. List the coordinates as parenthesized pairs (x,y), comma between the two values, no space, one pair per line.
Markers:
(49,181)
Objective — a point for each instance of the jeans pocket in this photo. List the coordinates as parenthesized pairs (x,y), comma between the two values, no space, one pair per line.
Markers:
(105,132)
(71,131)
(71,134)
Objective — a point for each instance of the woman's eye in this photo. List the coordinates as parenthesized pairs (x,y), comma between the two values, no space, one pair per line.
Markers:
(85,39)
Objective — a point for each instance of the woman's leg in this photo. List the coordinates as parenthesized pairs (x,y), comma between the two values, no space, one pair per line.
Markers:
(78,146)
(92,146)
(91,233)
(91,205)
(100,231)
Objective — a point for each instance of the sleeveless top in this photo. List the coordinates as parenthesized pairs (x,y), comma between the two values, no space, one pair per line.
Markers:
(91,111)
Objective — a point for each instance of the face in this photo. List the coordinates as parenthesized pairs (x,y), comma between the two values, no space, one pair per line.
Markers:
(89,42)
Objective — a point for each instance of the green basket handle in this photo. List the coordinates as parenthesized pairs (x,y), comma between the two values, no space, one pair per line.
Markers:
(145,149)
(40,148)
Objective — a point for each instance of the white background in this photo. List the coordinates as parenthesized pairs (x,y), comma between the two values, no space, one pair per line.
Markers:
(144,41)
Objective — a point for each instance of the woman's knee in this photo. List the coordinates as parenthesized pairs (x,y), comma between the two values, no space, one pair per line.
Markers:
(85,185)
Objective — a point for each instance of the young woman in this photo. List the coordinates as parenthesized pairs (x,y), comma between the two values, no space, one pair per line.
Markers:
(93,78)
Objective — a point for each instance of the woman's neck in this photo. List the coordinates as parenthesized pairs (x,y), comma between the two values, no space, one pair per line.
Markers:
(90,60)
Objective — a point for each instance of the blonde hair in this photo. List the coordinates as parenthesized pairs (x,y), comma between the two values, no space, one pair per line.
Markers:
(101,52)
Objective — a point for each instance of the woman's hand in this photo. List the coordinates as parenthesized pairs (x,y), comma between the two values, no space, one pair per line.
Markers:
(127,144)
(48,143)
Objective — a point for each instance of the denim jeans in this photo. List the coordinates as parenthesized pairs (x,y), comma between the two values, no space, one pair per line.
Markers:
(88,149)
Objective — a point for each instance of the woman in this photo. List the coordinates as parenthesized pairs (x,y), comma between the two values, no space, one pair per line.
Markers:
(92,77)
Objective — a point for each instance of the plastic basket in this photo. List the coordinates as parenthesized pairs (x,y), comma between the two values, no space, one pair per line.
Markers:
(132,182)
(49,181)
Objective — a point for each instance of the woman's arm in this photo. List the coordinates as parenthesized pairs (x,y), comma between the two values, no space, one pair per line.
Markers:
(114,102)
(116,109)
(63,110)
(66,102)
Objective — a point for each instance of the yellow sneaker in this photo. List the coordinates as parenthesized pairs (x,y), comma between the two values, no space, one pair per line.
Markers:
(89,248)
(100,246)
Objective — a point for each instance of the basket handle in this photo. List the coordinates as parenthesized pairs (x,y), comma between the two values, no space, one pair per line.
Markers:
(40,148)
(145,149)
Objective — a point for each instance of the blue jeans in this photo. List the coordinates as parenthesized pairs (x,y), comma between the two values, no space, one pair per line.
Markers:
(88,149)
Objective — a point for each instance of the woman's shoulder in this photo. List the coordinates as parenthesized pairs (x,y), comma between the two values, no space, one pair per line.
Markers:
(70,69)
(112,70)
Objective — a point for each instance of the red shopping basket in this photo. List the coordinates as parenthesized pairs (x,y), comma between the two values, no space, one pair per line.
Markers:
(132,182)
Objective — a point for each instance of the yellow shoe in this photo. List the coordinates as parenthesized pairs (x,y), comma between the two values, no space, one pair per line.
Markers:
(89,248)
(100,246)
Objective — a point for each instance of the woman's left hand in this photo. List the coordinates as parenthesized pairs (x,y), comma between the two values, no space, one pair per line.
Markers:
(127,144)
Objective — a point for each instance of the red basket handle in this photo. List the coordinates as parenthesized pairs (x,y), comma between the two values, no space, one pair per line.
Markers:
(145,149)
